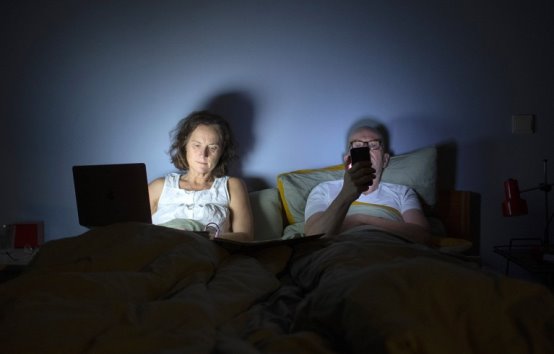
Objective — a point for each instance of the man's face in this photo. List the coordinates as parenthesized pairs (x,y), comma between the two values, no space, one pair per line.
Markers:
(379,159)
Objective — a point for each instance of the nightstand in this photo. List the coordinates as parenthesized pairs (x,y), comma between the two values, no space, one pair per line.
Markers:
(13,261)
(531,255)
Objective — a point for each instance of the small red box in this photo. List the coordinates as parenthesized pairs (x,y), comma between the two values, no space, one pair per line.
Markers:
(29,234)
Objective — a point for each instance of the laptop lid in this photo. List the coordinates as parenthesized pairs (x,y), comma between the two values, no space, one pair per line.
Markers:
(108,194)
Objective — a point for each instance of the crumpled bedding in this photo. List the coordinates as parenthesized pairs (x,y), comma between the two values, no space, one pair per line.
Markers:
(135,288)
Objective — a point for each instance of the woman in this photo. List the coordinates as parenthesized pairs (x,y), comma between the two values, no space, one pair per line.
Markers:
(201,195)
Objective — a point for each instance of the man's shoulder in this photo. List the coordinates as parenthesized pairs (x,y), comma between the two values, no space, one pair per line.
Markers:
(326,187)
(329,184)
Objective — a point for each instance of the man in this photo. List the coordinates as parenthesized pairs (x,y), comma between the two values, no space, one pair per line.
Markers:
(328,203)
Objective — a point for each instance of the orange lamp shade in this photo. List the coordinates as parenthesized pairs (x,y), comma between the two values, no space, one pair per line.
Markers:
(513,204)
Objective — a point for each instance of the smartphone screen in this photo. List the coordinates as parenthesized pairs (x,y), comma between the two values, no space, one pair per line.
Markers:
(360,154)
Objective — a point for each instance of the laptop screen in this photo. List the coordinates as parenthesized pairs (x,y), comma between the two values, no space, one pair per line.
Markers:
(108,194)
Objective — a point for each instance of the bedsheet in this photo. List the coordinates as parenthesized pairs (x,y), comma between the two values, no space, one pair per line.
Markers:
(134,288)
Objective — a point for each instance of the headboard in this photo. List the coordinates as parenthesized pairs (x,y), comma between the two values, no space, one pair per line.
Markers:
(460,212)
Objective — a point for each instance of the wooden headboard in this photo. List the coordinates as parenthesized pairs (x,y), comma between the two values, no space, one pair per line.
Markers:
(460,212)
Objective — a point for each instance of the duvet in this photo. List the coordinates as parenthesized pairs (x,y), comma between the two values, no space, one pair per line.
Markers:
(135,288)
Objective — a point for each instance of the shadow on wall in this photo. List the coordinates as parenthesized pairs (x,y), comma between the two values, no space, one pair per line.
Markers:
(239,110)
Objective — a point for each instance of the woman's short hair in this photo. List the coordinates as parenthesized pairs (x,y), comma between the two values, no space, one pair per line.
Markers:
(180,136)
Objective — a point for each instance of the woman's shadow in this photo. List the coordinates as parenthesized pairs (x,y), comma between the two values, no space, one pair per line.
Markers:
(239,110)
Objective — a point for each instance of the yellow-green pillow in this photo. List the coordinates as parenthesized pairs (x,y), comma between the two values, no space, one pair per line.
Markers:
(294,188)
(417,169)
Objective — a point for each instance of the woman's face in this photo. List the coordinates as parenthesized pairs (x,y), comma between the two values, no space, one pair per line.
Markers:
(203,149)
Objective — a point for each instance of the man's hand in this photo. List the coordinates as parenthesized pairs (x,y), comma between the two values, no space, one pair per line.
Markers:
(357,180)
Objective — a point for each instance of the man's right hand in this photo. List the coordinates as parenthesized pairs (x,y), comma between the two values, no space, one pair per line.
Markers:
(357,179)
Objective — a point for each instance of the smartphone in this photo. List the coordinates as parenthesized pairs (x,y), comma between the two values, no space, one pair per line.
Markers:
(359,154)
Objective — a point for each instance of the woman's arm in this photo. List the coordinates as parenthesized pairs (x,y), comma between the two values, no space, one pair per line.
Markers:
(242,224)
(154,192)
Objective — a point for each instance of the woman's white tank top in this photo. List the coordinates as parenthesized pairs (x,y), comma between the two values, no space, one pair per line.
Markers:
(204,206)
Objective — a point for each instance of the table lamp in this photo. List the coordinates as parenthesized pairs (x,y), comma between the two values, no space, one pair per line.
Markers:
(514,205)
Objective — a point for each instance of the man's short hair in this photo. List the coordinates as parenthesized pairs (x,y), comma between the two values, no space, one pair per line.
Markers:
(371,125)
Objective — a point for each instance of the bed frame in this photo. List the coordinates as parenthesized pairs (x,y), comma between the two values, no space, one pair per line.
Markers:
(460,213)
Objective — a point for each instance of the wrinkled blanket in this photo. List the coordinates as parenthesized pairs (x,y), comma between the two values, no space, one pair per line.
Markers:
(133,288)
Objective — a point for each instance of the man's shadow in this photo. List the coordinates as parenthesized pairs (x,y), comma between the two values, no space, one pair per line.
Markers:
(238,108)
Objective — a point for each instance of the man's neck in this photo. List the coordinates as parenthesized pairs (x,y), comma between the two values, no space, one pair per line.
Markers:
(373,187)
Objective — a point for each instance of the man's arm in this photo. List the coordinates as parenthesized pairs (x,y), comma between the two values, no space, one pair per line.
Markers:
(330,221)
(334,219)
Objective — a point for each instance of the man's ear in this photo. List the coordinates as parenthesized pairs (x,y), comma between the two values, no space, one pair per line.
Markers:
(346,158)
(386,158)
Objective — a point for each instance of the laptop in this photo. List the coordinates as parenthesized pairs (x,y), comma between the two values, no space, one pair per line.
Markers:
(108,194)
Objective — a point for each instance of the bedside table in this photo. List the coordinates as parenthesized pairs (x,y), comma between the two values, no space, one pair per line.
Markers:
(529,254)
(13,261)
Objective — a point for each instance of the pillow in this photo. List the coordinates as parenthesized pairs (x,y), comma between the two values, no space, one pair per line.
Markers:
(417,169)
(293,230)
(294,188)
(267,213)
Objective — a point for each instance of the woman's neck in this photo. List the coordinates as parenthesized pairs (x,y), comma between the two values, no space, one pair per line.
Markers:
(196,182)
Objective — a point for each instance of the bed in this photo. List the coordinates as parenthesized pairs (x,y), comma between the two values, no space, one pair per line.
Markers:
(138,288)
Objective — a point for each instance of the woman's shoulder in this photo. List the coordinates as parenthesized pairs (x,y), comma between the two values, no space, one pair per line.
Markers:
(233,178)
(171,179)
(158,181)
(235,182)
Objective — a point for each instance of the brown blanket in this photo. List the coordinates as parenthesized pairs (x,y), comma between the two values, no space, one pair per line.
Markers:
(133,288)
